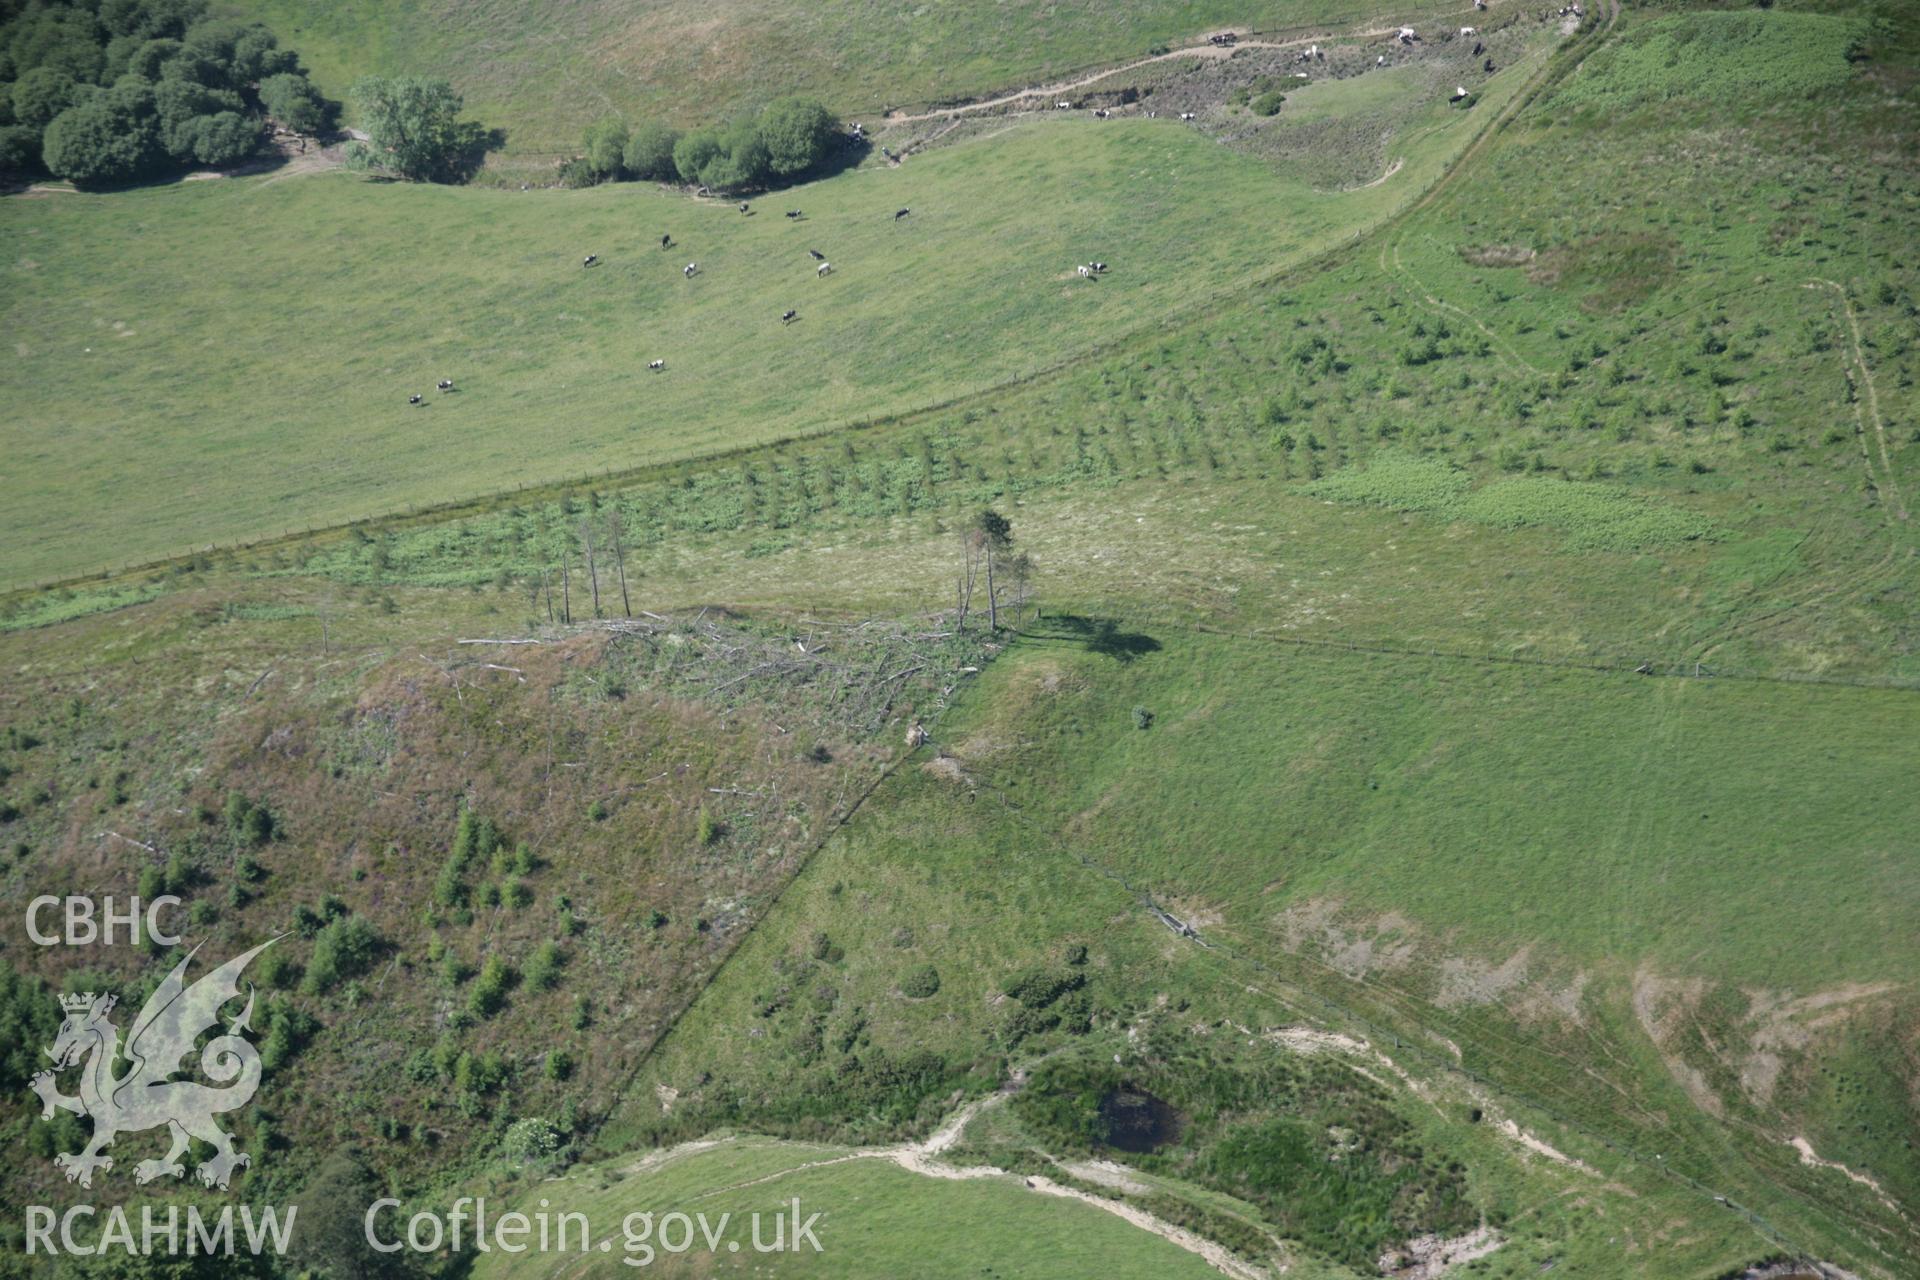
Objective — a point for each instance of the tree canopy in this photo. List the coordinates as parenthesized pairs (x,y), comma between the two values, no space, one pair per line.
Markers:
(649,153)
(121,89)
(797,133)
(606,145)
(415,130)
(788,138)
(293,101)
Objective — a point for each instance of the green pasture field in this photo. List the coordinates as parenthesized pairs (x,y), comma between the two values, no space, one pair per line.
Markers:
(877,1220)
(272,396)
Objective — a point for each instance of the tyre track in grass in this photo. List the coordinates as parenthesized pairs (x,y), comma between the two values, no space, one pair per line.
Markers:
(1885,479)
(1548,78)
(1870,430)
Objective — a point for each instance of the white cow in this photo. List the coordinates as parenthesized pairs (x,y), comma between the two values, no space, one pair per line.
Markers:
(826,269)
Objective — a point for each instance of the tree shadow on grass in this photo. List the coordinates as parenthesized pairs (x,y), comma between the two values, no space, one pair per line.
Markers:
(1099,635)
(475,144)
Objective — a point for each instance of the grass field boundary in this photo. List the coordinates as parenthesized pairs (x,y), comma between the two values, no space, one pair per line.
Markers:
(434,513)
(1685,669)
(1310,1000)
(1557,64)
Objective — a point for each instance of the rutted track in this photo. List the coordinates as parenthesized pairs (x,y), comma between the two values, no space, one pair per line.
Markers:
(926,1159)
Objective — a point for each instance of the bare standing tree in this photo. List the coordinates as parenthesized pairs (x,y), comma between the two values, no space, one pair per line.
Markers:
(619,562)
(984,543)
(593,576)
(1019,579)
(970,554)
(994,533)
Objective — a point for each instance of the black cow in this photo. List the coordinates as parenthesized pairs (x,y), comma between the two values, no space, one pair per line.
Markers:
(446,384)
(900,213)
(794,213)
(666,242)
(817,255)
(590,259)
(414,398)
(788,317)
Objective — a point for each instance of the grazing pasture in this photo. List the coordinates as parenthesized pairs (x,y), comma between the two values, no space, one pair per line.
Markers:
(274,394)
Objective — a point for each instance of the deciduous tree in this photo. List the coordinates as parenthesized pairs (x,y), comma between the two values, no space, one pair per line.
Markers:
(797,133)
(415,129)
(649,152)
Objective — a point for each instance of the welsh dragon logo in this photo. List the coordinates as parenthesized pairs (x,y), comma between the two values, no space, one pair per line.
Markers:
(173,1018)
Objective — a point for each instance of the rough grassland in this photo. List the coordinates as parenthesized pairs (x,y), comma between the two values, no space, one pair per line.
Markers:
(1721,58)
(546,73)
(1526,865)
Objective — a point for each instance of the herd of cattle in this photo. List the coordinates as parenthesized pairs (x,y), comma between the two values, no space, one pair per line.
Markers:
(692,269)
(1225,39)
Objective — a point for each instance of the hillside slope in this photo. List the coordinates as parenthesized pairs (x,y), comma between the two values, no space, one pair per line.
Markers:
(548,74)
(1440,785)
